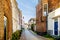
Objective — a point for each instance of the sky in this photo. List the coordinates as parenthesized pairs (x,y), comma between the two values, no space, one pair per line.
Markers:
(28,8)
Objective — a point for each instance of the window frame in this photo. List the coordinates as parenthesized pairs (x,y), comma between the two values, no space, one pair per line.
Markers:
(46,9)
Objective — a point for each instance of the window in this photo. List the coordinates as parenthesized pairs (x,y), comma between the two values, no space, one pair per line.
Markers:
(45,10)
(44,13)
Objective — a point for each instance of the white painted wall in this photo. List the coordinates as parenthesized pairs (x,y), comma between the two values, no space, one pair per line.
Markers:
(15,17)
(22,24)
(14,21)
(59,26)
(51,23)
(19,27)
(14,25)
(57,12)
(51,15)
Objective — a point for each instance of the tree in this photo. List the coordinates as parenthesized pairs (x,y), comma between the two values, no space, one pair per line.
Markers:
(32,27)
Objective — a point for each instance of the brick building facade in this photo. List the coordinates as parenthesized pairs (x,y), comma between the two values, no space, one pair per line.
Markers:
(41,12)
(5,10)
(51,21)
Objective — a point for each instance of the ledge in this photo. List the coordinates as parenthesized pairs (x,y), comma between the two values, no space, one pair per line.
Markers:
(56,17)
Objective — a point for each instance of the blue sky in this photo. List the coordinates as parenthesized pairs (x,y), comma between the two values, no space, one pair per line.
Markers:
(28,8)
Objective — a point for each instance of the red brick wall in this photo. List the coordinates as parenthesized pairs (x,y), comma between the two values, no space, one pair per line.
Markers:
(52,5)
(40,19)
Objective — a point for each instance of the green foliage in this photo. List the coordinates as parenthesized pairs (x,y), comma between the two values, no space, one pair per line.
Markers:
(32,27)
(57,38)
(47,35)
(50,37)
(16,35)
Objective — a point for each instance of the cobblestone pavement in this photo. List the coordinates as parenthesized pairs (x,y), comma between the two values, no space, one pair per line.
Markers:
(27,35)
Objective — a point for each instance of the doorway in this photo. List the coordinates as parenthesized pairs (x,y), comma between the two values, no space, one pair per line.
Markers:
(56,27)
(5,26)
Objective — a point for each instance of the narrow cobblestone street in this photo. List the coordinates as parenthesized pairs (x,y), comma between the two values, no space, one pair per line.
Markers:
(27,35)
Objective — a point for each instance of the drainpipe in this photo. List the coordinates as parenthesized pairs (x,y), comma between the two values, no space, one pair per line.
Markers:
(47,18)
(46,21)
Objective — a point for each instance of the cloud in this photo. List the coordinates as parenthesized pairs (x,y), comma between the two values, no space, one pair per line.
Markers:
(26,5)
(28,8)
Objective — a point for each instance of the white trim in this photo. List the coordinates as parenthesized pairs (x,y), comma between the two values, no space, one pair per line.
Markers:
(53,27)
(58,26)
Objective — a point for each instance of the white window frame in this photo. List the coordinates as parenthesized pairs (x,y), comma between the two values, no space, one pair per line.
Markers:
(43,10)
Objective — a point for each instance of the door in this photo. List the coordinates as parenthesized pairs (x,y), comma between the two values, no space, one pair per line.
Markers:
(56,28)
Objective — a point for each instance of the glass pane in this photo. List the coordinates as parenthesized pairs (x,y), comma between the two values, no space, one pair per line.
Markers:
(44,13)
(45,10)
